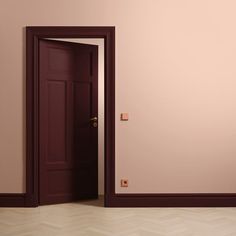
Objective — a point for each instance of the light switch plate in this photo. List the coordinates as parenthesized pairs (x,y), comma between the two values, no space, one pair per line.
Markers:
(124,116)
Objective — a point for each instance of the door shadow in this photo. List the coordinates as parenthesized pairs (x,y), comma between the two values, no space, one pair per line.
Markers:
(93,202)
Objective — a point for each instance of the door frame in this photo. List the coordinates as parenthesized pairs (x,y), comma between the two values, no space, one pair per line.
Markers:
(33,35)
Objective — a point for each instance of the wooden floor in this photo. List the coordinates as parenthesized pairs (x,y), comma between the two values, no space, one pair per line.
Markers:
(92,219)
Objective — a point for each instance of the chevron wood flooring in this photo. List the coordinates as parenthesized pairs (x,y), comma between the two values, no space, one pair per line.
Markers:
(90,218)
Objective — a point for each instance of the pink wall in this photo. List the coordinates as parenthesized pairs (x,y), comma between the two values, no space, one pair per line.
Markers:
(175,71)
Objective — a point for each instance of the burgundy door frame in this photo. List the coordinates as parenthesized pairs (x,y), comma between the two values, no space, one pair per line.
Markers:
(33,34)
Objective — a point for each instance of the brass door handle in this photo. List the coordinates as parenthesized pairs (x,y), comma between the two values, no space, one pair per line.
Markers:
(94,119)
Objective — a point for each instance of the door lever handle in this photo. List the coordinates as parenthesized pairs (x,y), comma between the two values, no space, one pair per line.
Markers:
(94,119)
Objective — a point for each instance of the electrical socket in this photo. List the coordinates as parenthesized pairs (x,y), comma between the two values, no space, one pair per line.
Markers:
(124,183)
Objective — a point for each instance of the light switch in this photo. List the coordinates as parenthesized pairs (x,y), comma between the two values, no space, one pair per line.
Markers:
(124,116)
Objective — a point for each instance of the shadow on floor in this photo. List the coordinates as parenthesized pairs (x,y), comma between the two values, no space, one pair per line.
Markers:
(93,202)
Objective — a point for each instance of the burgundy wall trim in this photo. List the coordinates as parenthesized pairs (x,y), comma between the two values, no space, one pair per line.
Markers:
(173,200)
(12,199)
(143,200)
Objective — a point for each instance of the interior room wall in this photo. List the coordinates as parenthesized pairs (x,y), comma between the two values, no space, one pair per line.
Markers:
(175,76)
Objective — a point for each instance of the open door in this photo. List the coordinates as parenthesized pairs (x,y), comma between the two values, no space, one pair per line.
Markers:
(68,133)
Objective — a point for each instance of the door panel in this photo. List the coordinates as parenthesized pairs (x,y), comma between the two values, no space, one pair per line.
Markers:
(68,165)
(56,150)
(59,61)
(82,116)
(86,61)
(84,137)
(61,182)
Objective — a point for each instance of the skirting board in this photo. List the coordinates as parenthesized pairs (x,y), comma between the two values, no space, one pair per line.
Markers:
(12,200)
(172,200)
(143,200)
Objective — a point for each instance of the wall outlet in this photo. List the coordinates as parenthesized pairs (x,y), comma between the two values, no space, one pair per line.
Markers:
(124,183)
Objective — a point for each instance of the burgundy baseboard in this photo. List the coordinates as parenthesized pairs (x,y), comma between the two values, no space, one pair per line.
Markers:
(12,200)
(142,200)
(172,200)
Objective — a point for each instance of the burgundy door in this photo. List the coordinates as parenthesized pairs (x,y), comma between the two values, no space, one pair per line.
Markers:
(68,167)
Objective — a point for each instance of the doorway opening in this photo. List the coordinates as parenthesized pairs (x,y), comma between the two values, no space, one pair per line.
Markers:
(85,37)
(71,120)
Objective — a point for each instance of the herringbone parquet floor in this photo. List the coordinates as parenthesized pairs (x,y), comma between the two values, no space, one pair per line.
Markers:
(91,219)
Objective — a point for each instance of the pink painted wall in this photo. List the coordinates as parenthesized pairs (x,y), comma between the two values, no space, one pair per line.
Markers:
(175,71)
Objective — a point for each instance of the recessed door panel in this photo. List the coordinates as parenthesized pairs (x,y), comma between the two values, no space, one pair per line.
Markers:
(60,60)
(86,61)
(56,121)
